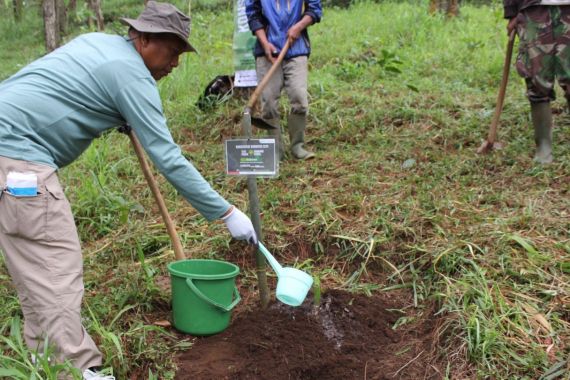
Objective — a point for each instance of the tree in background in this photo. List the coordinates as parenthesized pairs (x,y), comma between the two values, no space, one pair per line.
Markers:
(55,19)
(449,7)
(52,31)
(17,5)
(95,6)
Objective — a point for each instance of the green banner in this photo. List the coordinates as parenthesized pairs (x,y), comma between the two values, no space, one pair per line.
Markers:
(244,40)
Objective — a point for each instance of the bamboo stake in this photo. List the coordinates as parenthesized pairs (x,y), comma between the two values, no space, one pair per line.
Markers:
(252,181)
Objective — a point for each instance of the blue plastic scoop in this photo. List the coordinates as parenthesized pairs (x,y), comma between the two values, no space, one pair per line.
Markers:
(292,284)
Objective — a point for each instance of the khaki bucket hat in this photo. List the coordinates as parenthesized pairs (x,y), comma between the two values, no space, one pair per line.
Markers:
(162,18)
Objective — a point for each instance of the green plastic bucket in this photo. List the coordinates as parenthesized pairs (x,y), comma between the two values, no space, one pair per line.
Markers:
(203,295)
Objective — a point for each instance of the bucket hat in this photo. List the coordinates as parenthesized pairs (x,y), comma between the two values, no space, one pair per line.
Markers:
(162,18)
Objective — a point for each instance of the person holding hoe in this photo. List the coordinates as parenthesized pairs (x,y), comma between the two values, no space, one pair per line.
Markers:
(543,27)
(274,22)
(50,111)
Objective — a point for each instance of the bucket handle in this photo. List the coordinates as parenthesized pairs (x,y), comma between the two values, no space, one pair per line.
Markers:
(204,298)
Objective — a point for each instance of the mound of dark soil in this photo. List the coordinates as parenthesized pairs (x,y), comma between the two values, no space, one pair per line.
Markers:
(348,336)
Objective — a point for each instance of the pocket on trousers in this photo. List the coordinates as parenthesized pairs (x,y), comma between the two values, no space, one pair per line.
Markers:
(24,217)
(59,216)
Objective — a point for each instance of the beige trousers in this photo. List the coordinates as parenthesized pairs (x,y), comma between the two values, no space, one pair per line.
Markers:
(43,255)
(291,75)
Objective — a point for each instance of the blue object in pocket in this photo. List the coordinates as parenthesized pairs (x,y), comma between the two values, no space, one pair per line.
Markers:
(23,191)
(22,184)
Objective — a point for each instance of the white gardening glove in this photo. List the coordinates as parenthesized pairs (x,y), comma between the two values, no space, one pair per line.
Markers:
(240,226)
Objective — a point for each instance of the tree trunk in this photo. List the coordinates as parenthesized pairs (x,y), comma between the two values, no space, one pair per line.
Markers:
(61,16)
(453,8)
(51,28)
(18,8)
(433,6)
(72,6)
(95,6)
(449,7)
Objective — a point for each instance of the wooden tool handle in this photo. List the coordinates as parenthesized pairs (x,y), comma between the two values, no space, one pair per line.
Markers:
(268,75)
(502,90)
(178,251)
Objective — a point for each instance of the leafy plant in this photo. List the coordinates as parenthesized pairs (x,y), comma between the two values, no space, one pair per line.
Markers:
(18,362)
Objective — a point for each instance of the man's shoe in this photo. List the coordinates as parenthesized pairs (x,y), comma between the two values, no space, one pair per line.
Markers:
(92,375)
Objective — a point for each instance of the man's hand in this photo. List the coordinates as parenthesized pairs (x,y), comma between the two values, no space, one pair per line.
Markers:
(512,25)
(270,51)
(295,32)
(239,225)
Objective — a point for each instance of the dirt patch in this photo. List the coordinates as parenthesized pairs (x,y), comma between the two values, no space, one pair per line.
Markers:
(348,336)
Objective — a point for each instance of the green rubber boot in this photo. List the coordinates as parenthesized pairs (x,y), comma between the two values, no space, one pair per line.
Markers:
(296,125)
(542,121)
(276,132)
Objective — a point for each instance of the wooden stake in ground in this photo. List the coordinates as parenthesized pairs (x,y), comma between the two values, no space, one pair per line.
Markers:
(491,142)
(252,181)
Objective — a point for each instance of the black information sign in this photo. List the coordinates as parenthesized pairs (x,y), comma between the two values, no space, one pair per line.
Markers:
(251,157)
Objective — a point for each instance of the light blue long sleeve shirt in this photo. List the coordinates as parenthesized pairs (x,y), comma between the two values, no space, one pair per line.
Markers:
(52,109)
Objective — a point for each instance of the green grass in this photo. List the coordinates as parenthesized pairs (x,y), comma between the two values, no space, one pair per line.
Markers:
(483,238)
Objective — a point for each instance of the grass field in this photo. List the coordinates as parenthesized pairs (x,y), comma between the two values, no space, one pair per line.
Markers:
(397,198)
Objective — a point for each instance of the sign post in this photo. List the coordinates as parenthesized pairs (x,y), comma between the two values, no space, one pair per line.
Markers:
(248,157)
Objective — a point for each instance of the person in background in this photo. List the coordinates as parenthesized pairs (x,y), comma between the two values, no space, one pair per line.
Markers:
(50,111)
(274,22)
(543,27)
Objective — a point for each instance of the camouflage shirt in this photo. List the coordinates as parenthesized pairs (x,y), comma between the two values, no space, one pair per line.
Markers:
(512,7)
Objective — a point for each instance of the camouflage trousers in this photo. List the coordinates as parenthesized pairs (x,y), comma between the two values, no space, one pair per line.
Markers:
(544,51)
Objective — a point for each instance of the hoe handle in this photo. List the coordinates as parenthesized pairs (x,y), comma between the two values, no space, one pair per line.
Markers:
(178,251)
(502,90)
(268,76)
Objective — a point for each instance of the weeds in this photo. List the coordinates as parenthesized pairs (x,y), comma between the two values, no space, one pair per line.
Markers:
(483,238)
(18,362)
